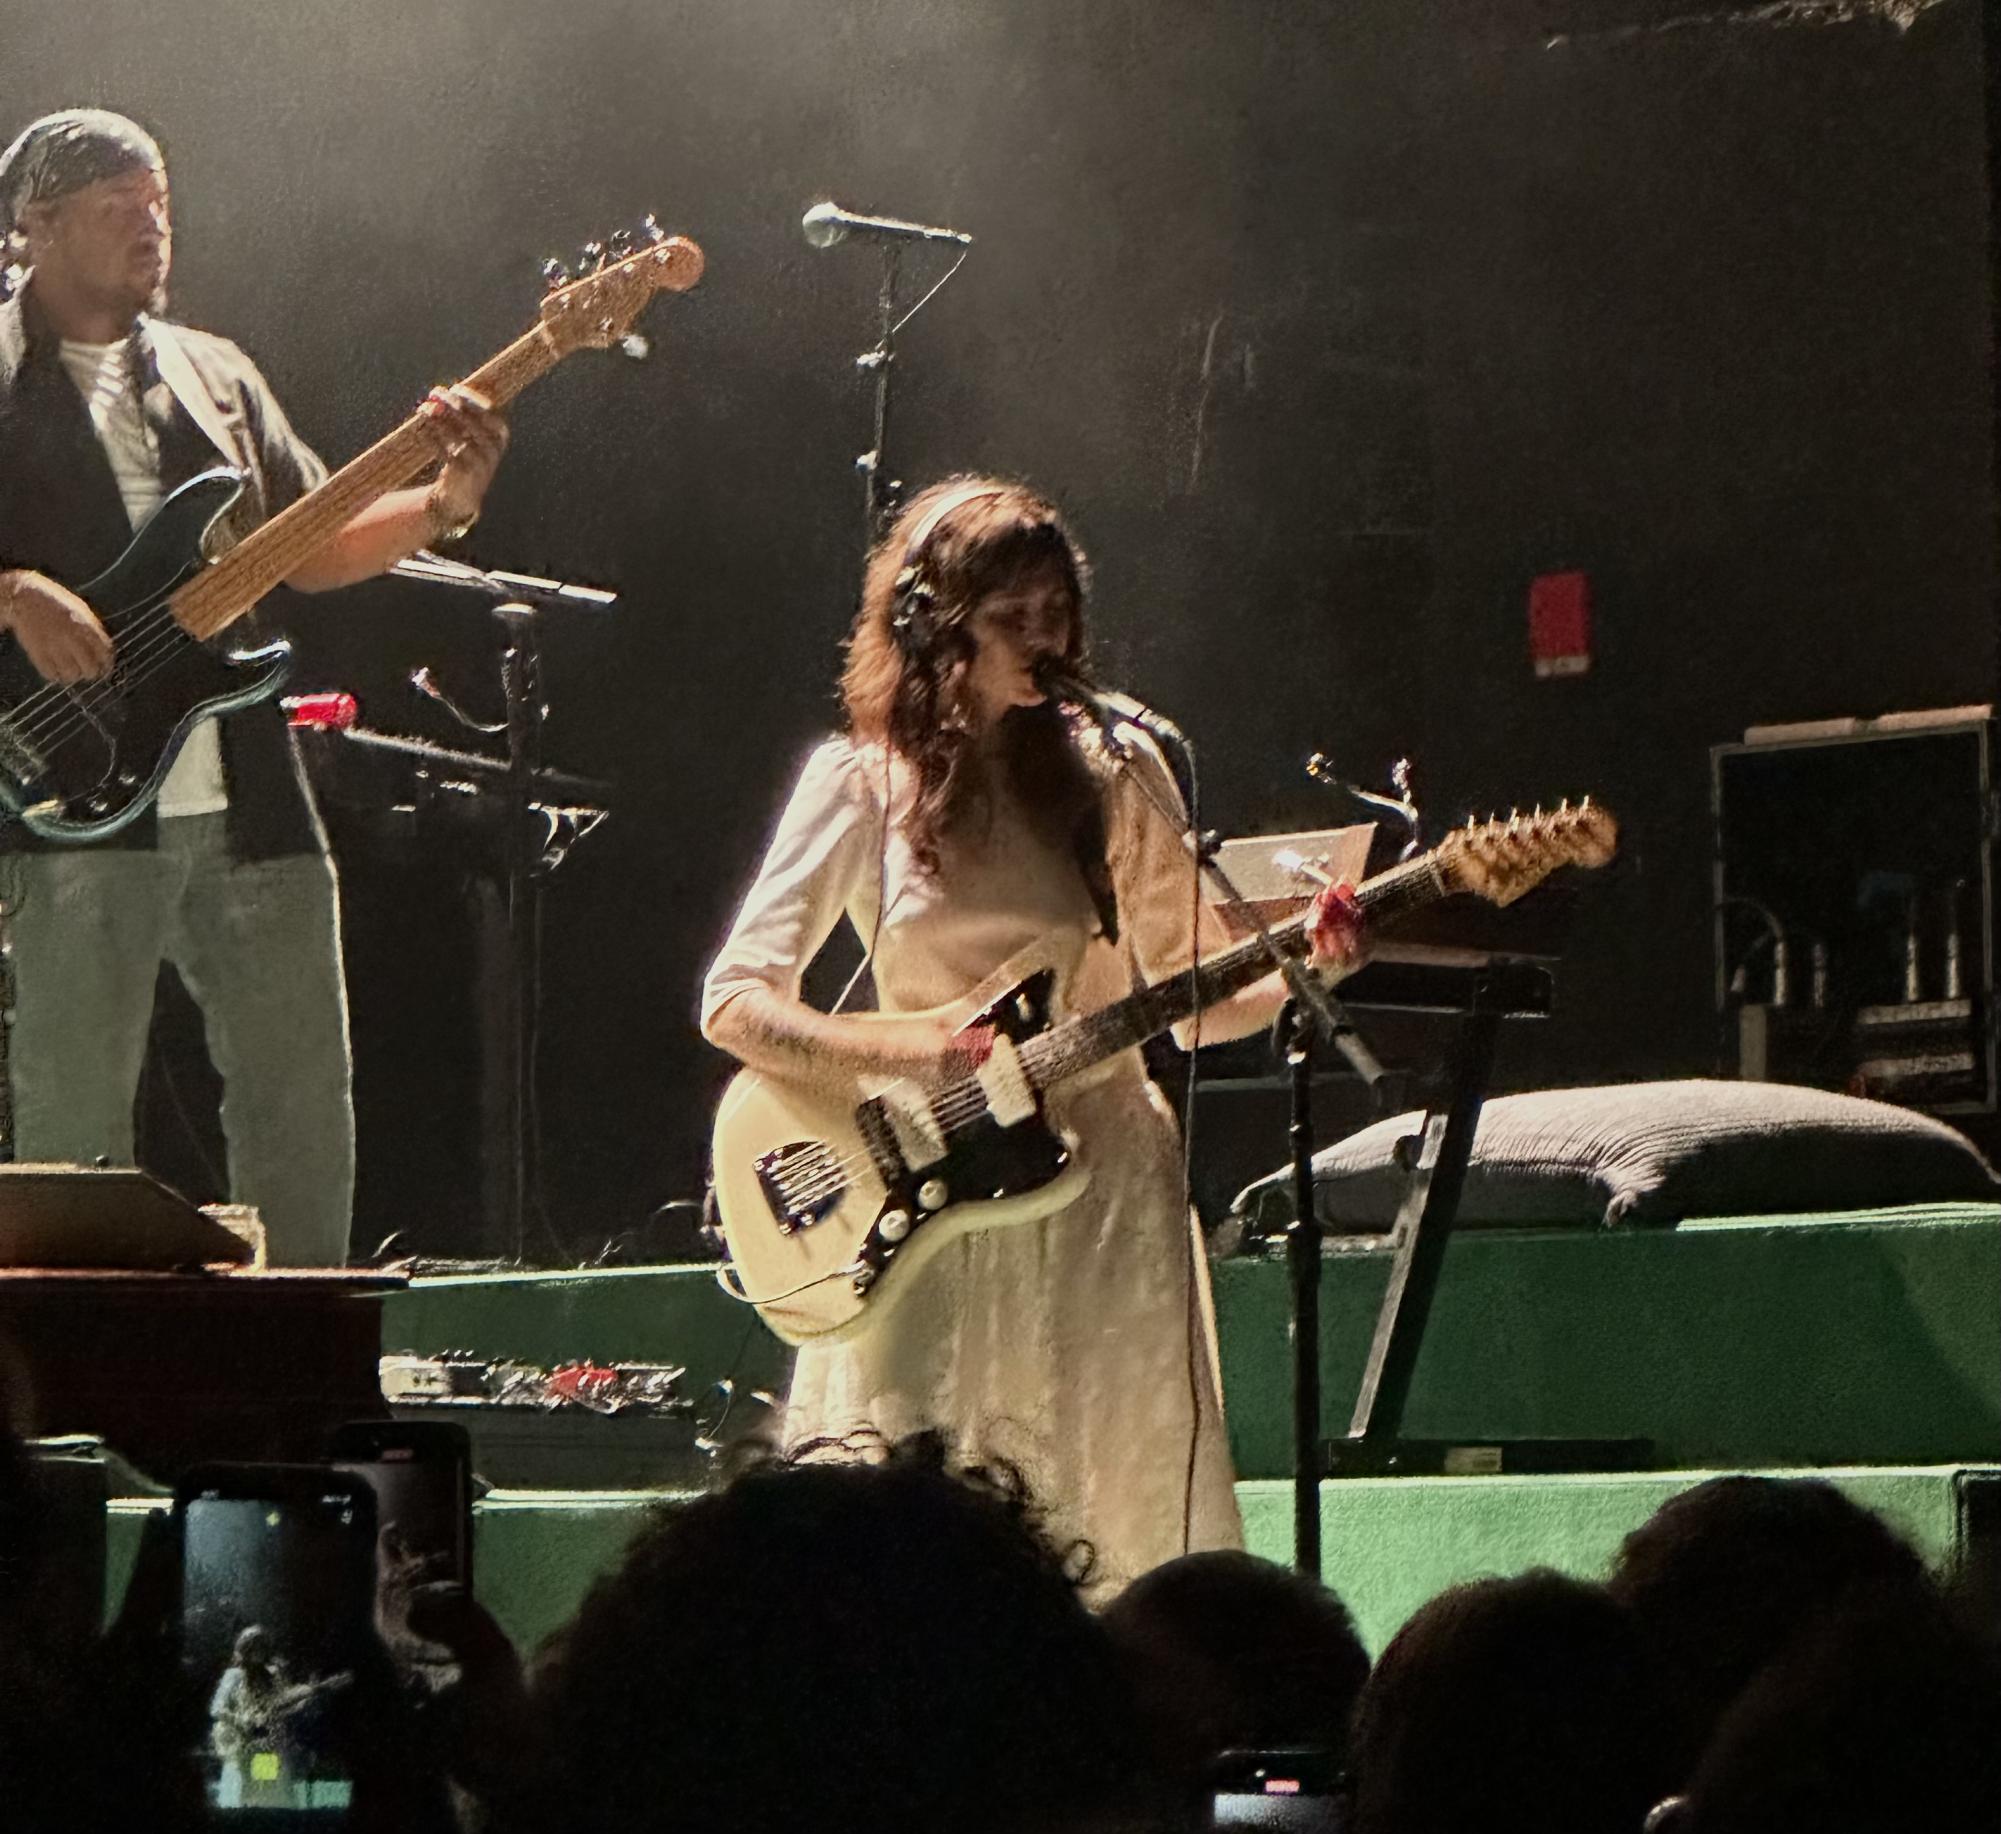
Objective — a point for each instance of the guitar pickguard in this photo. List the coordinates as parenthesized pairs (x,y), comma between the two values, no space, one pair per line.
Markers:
(998,1150)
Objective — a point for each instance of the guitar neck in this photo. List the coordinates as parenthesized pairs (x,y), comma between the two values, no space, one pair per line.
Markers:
(1091,1038)
(220,594)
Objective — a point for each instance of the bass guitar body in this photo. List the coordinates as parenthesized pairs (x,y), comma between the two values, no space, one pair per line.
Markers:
(822,1200)
(79,763)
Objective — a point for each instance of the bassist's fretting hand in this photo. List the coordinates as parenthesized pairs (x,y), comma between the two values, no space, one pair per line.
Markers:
(56,630)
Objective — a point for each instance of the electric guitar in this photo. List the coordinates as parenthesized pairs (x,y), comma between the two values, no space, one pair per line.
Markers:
(78,763)
(829,1206)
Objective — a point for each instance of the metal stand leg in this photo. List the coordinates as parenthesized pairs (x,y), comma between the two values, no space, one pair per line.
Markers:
(1423,1226)
(1303,1263)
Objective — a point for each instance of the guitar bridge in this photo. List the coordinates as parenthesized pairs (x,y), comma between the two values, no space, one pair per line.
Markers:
(18,758)
(802,1182)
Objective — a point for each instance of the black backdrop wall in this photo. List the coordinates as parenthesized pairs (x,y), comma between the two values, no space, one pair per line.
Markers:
(1335,323)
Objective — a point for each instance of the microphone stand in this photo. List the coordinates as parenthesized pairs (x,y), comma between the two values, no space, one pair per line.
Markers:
(519,600)
(878,490)
(1307,1015)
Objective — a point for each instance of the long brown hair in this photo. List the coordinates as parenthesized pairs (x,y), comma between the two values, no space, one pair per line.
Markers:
(907,688)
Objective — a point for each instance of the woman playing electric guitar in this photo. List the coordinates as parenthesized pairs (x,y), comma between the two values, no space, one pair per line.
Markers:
(963,819)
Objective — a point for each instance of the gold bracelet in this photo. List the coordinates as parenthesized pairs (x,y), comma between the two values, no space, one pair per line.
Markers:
(441,528)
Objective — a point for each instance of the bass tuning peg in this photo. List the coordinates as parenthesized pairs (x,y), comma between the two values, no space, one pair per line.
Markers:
(555,274)
(650,228)
(620,243)
(591,255)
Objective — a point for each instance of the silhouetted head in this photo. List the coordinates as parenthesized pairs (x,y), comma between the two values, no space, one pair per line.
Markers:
(869,1647)
(1230,1651)
(1723,1576)
(1877,1719)
(1509,1704)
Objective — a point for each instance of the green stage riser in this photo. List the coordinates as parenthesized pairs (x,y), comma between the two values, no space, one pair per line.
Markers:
(1869,1344)
(1873,1339)
(1389,1543)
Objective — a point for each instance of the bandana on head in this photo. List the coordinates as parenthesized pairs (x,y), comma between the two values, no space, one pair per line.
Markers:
(63,152)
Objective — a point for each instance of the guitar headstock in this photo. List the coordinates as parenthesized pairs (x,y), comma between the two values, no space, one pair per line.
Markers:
(1503,859)
(596,309)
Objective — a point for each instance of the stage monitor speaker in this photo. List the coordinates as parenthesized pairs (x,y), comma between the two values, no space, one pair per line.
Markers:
(67,1216)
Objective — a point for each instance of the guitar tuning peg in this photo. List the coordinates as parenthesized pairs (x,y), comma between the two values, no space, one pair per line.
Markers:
(620,243)
(649,227)
(555,274)
(591,256)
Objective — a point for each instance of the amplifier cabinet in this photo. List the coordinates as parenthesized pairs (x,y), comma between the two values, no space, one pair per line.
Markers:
(1854,908)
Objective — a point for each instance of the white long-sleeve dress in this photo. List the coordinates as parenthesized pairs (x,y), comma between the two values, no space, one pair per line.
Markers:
(1081,1347)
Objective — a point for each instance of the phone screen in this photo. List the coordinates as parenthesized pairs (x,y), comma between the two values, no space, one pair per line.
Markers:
(420,1514)
(1295,1792)
(276,1593)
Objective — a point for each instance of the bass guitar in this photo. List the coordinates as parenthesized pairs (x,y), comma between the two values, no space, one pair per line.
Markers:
(78,763)
(829,1206)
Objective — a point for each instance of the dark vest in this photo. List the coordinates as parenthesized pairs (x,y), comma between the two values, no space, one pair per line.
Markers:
(61,514)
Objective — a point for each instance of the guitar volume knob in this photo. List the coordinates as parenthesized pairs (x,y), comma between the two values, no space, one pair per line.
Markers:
(932,1194)
(894,1225)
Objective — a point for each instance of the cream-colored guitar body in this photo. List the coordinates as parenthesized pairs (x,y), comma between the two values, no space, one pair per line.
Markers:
(830,1205)
(809,1283)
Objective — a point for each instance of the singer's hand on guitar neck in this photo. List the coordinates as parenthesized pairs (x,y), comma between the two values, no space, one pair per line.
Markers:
(1339,932)
(56,630)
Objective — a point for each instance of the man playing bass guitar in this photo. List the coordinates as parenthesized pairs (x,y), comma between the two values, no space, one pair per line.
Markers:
(104,409)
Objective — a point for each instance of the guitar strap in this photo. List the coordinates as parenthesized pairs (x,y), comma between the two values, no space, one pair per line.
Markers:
(178,372)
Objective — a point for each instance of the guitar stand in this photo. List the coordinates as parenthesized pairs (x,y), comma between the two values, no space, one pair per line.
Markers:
(1436,1162)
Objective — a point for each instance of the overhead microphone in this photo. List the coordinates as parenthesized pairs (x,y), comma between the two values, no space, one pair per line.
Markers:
(826,224)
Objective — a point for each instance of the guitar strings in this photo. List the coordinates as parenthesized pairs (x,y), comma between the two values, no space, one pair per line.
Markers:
(960,1103)
(146,658)
(56,693)
(134,665)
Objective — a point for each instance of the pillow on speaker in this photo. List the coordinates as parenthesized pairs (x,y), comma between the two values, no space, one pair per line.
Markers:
(1650,1153)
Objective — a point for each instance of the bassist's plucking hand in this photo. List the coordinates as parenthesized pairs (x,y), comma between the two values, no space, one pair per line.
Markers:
(56,630)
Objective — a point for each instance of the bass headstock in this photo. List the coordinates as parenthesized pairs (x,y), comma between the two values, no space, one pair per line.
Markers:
(1503,859)
(596,308)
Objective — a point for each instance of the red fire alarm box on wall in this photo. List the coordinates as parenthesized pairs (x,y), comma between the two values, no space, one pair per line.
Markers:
(1560,623)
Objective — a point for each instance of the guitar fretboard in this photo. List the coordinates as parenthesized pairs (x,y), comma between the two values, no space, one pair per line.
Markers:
(1079,1043)
(217,596)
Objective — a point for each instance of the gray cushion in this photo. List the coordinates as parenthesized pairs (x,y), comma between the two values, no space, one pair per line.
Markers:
(1655,1153)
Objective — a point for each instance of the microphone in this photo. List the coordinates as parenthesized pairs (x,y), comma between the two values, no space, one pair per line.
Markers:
(826,224)
(1057,679)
